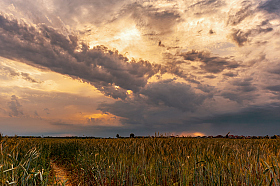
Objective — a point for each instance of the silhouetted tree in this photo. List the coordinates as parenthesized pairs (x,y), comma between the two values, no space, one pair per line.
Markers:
(131,135)
(117,135)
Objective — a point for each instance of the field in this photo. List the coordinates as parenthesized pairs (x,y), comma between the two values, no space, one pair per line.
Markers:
(141,161)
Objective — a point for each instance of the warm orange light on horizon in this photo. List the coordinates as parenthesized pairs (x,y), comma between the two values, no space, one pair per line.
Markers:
(192,134)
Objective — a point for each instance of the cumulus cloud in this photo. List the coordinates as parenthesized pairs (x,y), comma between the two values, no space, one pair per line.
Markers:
(158,105)
(143,116)
(173,94)
(43,46)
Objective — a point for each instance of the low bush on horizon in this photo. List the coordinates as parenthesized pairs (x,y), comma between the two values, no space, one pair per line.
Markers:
(142,161)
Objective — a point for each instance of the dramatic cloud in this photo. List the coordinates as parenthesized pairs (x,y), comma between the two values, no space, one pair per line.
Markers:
(103,67)
(254,120)
(172,94)
(45,47)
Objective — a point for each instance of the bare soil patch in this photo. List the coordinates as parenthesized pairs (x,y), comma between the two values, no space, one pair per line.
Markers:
(60,174)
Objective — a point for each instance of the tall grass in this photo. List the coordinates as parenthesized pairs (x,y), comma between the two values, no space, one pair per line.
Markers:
(175,161)
(146,161)
(23,162)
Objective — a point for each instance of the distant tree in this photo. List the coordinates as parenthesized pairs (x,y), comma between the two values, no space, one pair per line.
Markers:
(275,137)
(131,135)
(266,137)
(117,135)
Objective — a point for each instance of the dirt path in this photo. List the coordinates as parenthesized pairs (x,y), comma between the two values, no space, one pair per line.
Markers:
(60,174)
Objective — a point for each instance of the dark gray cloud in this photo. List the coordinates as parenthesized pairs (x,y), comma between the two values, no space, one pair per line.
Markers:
(173,94)
(244,85)
(271,6)
(254,120)
(230,74)
(210,77)
(210,63)
(241,37)
(27,77)
(158,105)
(275,88)
(15,107)
(143,116)
(240,90)
(275,69)
(174,66)
(235,96)
(47,48)
(206,88)
(133,112)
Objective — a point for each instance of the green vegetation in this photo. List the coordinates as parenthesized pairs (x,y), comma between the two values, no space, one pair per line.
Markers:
(142,161)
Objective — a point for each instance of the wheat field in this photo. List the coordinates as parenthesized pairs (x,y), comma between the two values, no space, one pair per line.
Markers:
(141,161)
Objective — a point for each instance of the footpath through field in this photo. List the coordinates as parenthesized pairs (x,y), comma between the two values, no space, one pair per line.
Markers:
(60,174)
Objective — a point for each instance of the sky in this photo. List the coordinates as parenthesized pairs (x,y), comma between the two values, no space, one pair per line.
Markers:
(175,67)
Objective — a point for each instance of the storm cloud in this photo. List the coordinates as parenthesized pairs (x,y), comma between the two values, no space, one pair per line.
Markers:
(173,94)
(103,67)
(45,47)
